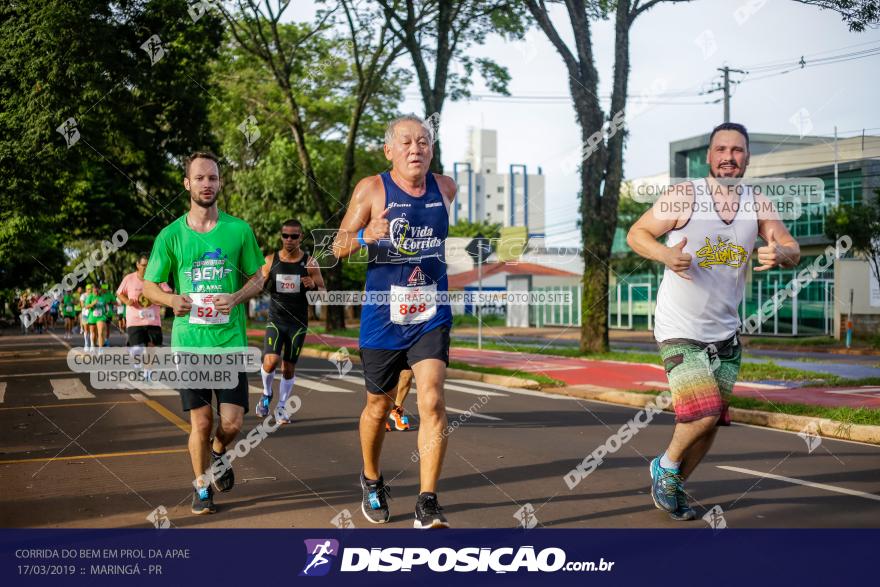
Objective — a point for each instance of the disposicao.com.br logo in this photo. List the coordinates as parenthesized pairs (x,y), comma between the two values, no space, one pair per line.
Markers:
(444,559)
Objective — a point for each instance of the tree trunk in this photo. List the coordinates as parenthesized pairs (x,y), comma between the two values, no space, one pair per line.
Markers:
(334,316)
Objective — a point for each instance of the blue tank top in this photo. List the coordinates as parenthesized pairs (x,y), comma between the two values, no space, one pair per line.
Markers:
(410,262)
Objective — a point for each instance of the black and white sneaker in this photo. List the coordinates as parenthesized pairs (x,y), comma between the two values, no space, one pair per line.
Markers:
(203,501)
(374,503)
(225,480)
(429,513)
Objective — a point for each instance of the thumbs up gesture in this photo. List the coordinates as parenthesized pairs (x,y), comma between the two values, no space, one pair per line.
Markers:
(679,261)
(768,255)
(378,228)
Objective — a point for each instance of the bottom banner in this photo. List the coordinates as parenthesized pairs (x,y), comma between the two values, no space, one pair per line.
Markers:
(494,557)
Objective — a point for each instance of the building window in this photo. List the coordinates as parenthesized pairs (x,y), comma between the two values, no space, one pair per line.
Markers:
(696,163)
(500,189)
(500,207)
(478,188)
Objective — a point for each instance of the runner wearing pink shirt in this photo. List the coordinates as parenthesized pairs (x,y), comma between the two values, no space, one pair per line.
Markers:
(143,318)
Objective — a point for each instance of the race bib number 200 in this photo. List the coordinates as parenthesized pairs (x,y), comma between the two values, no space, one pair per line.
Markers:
(204,312)
(412,305)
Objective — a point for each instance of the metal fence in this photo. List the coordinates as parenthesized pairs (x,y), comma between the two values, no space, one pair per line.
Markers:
(632,302)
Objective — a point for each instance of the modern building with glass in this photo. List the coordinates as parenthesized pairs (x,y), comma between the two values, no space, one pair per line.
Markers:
(849,168)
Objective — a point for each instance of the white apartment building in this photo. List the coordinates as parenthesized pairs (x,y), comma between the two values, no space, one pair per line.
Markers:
(485,194)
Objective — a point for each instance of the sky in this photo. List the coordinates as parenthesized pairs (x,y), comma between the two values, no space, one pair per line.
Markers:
(674,49)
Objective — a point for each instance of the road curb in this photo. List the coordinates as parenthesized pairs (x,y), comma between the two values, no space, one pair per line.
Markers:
(505,380)
(818,426)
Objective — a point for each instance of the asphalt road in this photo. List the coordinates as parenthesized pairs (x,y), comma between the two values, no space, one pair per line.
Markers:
(75,456)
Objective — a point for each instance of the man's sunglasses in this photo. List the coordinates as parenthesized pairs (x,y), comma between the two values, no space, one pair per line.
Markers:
(287,235)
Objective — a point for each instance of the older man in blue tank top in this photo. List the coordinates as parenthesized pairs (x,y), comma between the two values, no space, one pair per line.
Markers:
(402,218)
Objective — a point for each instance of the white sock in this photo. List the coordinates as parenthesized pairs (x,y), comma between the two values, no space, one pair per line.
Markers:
(85,340)
(668,463)
(286,387)
(268,378)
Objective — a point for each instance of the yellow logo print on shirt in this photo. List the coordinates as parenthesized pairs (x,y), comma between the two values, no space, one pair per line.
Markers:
(722,253)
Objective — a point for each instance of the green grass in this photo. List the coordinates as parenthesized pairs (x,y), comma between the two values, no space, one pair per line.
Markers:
(469,320)
(867,416)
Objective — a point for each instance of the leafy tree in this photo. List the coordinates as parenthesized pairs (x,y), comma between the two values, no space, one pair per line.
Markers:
(439,33)
(488,229)
(135,118)
(305,61)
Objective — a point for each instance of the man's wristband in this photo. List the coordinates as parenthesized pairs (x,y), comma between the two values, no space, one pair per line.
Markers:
(361,240)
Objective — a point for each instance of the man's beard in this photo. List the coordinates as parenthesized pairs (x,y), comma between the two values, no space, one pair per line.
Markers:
(197,198)
(738,173)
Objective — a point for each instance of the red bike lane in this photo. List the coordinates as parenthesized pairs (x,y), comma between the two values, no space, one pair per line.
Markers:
(624,376)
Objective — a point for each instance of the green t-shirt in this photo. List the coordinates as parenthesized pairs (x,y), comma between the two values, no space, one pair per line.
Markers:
(67,307)
(109,304)
(202,263)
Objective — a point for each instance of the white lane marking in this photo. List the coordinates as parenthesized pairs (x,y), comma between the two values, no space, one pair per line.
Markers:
(515,390)
(316,385)
(308,383)
(2,392)
(70,388)
(472,414)
(769,386)
(470,390)
(823,486)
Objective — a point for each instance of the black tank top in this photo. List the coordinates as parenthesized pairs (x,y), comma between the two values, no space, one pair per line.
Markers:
(288,302)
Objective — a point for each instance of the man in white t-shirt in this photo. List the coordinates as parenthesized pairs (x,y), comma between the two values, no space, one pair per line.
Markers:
(710,225)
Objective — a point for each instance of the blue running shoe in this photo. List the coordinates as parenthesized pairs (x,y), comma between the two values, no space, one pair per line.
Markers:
(684,511)
(374,502)
(665,486)
(263,405)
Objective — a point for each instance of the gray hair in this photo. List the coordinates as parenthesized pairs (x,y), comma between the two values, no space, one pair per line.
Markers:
(389,130)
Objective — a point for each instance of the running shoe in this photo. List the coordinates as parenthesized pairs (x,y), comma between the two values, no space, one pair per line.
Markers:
(398,419)
(374,503)
(225,480)
(203,501)
(665,486)
(281,415)
(429,513)
(263,405)
(684,511)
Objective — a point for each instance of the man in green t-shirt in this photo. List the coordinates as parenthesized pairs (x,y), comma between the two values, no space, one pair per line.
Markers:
(215,262)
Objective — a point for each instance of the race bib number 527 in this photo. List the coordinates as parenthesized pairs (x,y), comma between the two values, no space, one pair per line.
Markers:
(204,312)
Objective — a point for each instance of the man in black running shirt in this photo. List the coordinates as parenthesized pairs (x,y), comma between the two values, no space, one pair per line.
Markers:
(289,273)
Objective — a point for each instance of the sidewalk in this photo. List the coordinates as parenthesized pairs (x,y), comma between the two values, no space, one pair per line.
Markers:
(617,375)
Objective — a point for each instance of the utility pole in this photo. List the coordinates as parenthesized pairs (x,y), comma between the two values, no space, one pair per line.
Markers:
(725,87)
